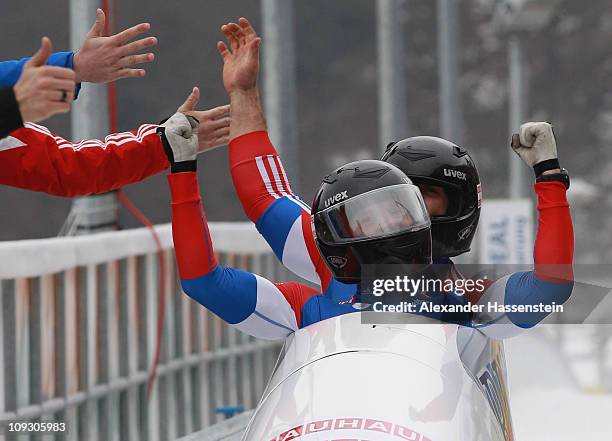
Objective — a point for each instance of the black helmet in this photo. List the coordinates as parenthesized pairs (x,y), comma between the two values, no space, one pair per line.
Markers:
(436,161)
(369,212)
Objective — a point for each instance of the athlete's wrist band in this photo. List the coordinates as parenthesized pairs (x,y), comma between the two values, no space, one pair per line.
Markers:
(549,164)
(184,166)
(562,177)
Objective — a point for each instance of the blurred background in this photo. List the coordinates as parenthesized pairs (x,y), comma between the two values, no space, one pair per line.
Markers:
(468,70)
(568,65)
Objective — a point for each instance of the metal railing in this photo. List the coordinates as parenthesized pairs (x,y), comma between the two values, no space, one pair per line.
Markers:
(78,333)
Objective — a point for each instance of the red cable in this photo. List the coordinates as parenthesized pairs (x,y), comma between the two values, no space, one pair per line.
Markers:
(162,285)
(112,86)
(112,113)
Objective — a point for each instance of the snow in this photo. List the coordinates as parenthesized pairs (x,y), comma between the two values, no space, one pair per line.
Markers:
(546,400)
(560,414)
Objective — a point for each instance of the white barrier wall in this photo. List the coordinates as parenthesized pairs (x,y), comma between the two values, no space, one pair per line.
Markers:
(78,333)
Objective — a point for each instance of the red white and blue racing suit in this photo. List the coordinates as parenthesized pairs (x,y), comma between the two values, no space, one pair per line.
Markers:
(270,310)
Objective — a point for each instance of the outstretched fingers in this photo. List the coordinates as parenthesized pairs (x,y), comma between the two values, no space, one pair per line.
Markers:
(221,132)
(220,123)
(40,57)
(137,45)
(254,45)
(132,60)
(191,102)
(248,30)
(223,50)
(128,34)
(237,33)
(231,38)
(218,112)
(97,30)
(130,73)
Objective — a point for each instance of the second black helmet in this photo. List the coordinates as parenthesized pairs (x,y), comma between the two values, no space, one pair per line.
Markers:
(428,160)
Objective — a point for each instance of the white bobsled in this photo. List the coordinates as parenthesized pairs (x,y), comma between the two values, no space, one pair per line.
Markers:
(340,379)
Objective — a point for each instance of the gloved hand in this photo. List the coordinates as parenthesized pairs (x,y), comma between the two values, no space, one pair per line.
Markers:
(536,146)
(179,135)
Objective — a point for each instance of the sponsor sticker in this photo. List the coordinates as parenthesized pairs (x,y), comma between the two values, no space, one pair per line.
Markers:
(336,198)
(341,428)
(465,232)
(449,172)
(337,261)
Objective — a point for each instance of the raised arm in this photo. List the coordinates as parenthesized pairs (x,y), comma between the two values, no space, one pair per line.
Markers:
(552,279)
(102,59)
(99,60)
(246,301)
(257,171)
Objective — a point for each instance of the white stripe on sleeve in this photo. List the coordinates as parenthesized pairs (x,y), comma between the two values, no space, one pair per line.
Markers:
(277,179)
(264,176)
(296,256)
(273,318)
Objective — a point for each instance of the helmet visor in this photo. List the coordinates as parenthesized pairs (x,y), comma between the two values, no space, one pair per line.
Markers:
(379,213)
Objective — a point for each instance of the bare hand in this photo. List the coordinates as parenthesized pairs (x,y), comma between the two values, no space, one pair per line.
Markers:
(241,63)
(43,91)
(213,131)
(104,59)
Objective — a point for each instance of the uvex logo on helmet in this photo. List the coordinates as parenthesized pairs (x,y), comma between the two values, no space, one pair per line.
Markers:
(455,174)
(336,198)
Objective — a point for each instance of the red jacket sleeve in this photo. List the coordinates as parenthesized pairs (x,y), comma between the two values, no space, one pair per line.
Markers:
(35,159)
(553,252)
(554,245)
(194,249)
